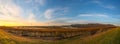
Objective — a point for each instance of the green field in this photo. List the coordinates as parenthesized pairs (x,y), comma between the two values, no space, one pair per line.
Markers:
(109,37)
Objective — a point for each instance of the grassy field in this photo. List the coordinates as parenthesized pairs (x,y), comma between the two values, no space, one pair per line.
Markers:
(7,38)
(110,37)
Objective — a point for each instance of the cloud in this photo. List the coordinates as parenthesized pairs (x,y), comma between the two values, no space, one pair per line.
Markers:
(55,12)
(108,6)
(99,18)
(31,17)
(48,13)
(96,2)
(94,15)
(41,2)
(11,15)
(28,1)
(9,8)
(68,21)
(82,22)
(34,4)
(59,21)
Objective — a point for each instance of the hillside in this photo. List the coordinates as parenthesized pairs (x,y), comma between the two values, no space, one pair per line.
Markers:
(109,37)
(7,38)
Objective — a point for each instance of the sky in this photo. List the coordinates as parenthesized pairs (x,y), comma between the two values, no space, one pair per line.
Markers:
(58,12)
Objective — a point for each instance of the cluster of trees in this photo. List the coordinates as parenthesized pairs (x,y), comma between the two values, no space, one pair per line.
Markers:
(91,25)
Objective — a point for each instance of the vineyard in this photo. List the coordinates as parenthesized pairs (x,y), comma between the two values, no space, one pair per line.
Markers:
(98,35)
(56,33)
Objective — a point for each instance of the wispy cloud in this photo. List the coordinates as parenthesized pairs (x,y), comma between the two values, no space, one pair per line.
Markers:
(41,2)
(59,21)
(69,21)
(82,21)
(54,12)
(9,8)
(93,15)
(99,18)
(35,4)
(108,6)
(11,15)
(31,17)
(48,13)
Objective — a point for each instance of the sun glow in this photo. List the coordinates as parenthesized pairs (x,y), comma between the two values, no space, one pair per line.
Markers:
(10,24)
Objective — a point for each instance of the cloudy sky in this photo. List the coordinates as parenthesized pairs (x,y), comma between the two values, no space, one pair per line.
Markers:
(58,12)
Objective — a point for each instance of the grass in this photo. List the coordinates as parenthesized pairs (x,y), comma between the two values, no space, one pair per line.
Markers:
(110,37)
(7,38)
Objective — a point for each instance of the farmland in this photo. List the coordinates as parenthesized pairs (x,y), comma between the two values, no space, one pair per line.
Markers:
(98,35)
